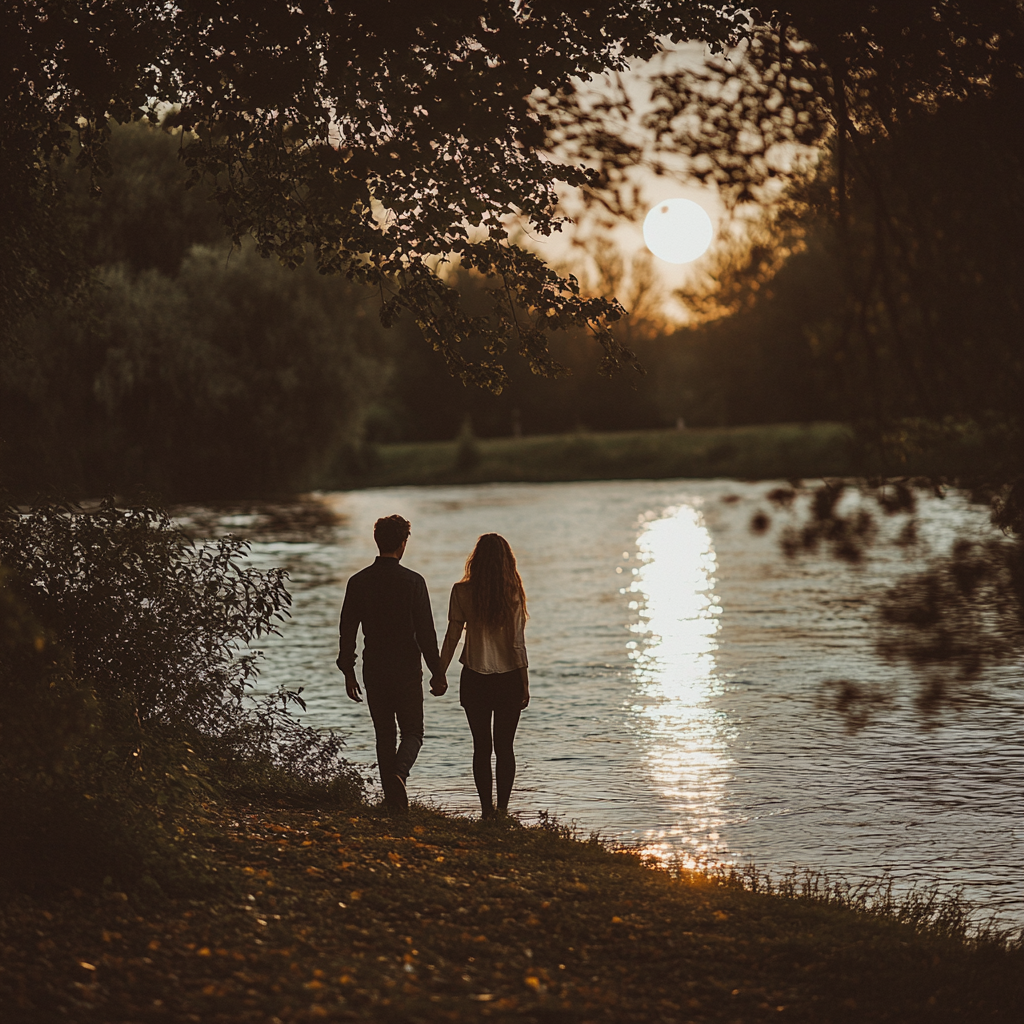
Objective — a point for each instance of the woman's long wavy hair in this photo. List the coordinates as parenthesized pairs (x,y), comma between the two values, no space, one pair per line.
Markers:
(495,583)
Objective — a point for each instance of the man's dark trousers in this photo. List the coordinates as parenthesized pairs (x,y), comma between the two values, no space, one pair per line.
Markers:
(395,702)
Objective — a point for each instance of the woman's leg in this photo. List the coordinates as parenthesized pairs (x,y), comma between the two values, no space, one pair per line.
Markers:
(506,719)
(480,726)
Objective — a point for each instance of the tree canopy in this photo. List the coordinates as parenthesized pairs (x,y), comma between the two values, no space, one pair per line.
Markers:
(386,143)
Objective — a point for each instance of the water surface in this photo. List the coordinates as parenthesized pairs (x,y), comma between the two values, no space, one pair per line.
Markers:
(676,664)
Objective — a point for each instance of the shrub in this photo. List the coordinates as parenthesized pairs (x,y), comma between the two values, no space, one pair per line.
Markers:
(125,678)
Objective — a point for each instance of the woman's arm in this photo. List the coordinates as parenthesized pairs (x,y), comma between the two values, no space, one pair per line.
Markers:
(524,672)
(519,646)
(456,622)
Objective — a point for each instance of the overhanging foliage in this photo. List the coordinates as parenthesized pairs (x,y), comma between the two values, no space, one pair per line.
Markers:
(387,143)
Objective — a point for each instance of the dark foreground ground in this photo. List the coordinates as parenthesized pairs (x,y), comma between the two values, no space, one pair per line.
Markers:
(299,916)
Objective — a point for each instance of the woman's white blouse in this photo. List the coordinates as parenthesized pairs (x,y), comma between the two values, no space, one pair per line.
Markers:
(485,651)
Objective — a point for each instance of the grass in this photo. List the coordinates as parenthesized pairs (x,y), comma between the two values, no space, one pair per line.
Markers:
(311,916)
(764,452)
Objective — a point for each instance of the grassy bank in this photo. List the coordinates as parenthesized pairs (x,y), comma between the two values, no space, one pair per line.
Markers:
(765,452)
(306,916)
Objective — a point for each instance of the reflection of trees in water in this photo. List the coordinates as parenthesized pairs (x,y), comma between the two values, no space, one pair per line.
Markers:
(301,519)
(958,618)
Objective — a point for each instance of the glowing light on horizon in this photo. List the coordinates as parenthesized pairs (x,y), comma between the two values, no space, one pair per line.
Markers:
(678,230)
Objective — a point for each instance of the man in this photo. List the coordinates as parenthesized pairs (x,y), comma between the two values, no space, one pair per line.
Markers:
(393,607)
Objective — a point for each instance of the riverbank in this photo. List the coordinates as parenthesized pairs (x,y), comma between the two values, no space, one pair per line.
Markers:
(775,451)
(302,916)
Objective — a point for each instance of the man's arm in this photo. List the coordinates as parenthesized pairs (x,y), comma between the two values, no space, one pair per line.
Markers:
(426,638)
(351,616)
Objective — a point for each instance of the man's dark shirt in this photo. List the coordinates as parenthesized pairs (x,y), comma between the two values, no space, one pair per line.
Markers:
(392,605)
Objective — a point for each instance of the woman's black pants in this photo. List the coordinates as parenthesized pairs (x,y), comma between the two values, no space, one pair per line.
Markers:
(493,704)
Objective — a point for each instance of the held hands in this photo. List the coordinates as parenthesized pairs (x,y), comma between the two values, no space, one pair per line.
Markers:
(438,684)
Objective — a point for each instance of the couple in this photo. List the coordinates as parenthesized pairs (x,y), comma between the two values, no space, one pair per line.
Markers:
(391,603)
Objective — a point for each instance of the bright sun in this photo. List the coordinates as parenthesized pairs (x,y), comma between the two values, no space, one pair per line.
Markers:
(678,230)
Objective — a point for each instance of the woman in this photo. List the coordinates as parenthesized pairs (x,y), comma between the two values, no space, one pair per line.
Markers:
(490,603)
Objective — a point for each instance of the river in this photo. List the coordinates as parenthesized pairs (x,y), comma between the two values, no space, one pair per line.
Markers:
(677,664)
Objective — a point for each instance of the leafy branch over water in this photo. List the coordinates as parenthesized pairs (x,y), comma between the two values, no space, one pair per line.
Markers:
(952,621)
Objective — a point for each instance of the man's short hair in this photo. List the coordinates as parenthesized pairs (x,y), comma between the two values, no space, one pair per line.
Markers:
(389,533)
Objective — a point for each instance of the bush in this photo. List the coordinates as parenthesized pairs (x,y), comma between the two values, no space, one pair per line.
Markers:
(125,673)
(233,378)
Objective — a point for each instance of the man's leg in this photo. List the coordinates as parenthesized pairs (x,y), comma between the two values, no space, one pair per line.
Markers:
(390,700)
(382,713)
(409,712)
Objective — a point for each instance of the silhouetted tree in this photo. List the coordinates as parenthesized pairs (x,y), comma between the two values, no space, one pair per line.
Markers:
(384,144)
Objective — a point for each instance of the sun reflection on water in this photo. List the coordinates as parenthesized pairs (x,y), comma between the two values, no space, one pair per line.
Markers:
(673,652)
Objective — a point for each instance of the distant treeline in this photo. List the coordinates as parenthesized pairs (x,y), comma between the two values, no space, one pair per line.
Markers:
(758,366)
(186,368)
(191,370)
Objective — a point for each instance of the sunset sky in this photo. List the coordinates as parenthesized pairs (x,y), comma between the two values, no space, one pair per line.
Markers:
(577,241)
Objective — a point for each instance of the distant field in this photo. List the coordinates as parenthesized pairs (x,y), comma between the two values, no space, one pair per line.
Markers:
(763,452)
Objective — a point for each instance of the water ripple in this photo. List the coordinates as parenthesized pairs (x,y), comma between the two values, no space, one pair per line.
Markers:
(677,665)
